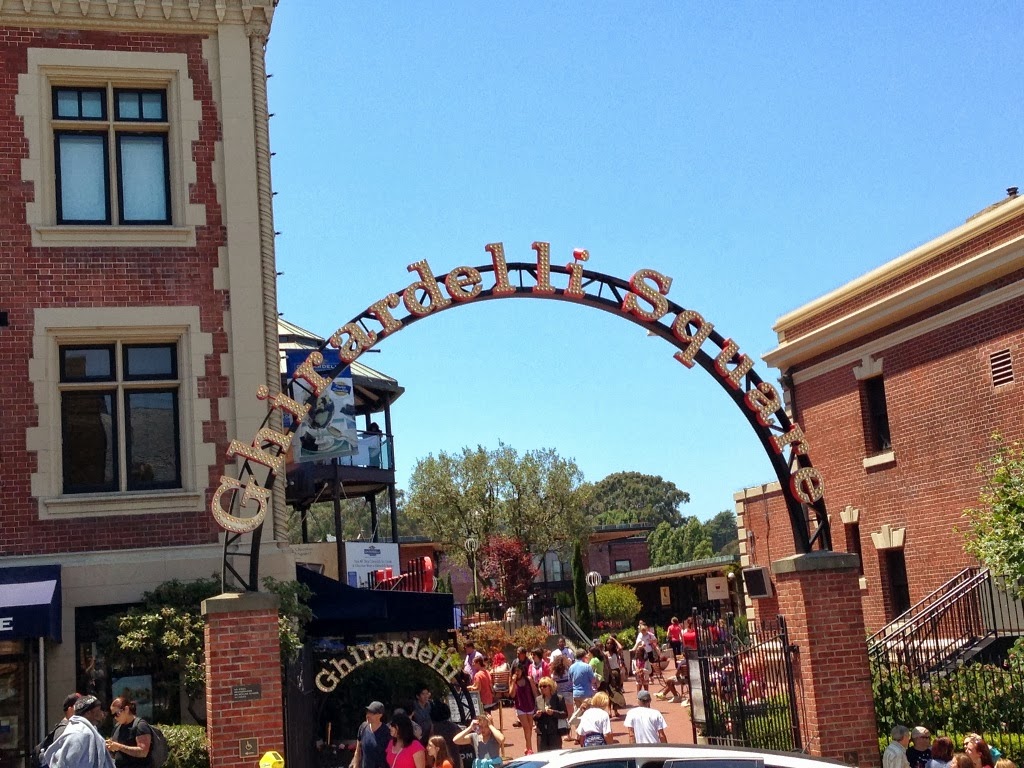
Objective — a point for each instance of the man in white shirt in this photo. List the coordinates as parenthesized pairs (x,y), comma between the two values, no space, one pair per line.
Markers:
(645,724)
(563,650)
(895,755)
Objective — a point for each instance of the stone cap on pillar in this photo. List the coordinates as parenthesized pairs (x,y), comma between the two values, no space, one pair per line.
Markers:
(236,602)
(816,561)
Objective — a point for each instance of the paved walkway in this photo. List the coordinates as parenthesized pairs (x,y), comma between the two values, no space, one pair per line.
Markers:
(677,718)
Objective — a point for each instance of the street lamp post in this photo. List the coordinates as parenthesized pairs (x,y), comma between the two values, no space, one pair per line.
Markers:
(472,544)
(594,581)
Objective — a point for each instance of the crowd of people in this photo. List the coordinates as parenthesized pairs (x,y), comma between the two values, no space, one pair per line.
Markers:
(915,748)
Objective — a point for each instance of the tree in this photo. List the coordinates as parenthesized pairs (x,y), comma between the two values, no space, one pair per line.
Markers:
(670,544)
(996,528)
(355,519)
(633,497)
(618,603)
(536,497)
(721,529)
(505,561)
(579,589)
(165,634)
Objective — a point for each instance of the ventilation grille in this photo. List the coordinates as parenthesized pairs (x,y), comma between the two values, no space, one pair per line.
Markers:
(1002,367)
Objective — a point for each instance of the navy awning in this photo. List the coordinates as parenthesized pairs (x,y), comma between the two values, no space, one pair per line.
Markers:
(30,602)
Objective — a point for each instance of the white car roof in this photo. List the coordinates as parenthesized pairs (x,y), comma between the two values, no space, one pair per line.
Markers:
(729,757)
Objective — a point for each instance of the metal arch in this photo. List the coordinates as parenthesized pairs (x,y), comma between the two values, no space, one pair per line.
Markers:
(809,522)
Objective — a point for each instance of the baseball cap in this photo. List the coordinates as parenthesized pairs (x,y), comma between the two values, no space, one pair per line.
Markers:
(643,696)
(86,703)
(919,732)
(375,707)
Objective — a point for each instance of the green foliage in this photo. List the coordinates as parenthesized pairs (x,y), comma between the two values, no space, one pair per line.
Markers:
(679,544)
(536,497)
(721,529)
(633,497)
(490,636)
(293,614)
(165,634)
(186,746)
(579,590)
(996,528)
(979,698)
(530,637)
(617,603)
(355,519)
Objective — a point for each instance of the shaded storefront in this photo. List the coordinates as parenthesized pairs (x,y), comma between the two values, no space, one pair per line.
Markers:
(709,585)
(30,606)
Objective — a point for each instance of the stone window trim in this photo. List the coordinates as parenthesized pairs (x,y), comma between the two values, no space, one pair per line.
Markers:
(61,326)
(48,67)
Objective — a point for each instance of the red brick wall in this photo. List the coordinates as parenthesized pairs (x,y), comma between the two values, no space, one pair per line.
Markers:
(92,277)
(942,412)
(602,555)
(242,649)
(825,621)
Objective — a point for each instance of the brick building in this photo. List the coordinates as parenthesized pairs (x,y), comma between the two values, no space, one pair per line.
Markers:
(138,317)
(899,380)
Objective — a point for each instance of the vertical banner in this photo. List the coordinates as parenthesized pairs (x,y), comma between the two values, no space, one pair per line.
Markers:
(329,430)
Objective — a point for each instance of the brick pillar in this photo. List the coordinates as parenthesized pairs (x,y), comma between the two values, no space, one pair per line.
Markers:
(819,595)
(244,696)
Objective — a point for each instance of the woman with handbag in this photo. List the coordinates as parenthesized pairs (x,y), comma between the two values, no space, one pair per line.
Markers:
(486,740)
(552,717)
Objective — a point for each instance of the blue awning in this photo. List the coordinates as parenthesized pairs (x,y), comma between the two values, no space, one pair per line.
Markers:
(30,602)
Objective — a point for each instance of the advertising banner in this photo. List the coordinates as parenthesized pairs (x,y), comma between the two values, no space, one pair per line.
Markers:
(329,430)
(364,557)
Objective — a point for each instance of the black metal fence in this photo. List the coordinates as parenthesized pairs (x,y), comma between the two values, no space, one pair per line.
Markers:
(953,663)
(742,691)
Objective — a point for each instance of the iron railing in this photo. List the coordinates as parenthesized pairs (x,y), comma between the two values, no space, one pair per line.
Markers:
(742,691)
(948,664)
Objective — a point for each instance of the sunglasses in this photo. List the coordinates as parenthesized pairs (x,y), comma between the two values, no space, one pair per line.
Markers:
(544,685)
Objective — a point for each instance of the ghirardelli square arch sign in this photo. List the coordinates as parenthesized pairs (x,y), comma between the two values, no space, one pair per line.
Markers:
(239,504)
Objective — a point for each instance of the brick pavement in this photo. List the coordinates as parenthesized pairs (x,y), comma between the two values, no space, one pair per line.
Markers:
(677,718)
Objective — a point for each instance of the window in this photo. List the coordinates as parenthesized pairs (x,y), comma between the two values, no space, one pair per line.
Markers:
(623,566)
(111,155)
(876,415)
(120,427)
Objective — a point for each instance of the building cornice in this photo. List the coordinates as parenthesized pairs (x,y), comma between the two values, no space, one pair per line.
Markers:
(973,228)
(180,16)
(962,277)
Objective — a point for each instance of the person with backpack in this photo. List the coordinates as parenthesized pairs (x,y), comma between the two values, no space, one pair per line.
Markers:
(132,738)
(69,710)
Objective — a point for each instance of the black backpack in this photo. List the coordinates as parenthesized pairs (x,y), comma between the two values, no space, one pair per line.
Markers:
(43,745)
(158,750)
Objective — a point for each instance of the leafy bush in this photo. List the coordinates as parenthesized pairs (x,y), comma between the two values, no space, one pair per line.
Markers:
(530,637)
(186,746)
(490,637)
(617,603)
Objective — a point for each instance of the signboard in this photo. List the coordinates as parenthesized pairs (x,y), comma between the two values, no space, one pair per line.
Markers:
(363,558)
(666,596)
(246,692)
(248,747)
(718,588)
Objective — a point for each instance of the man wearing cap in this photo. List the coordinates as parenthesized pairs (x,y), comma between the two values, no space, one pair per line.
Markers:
(645,724)
(372,739)
(80,745)
(920,750)
(58,729)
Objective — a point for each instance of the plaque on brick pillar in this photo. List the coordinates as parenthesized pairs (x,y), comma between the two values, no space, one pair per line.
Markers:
(819,595)
(244,688)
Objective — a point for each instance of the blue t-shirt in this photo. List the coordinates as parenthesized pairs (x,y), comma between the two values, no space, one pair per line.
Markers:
(372,745)
(582,676)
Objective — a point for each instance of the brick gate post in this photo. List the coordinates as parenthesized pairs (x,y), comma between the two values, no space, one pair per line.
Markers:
(244,695)
(819,596)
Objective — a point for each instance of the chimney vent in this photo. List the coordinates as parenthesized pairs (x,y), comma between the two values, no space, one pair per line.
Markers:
(1011,191)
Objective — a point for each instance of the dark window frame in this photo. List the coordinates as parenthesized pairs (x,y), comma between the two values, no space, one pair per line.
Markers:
(119,387)
(57,134)
(627,561)
(115,128)
(879,435)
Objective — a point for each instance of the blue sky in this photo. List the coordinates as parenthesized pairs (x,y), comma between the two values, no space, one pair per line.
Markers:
(761,154)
